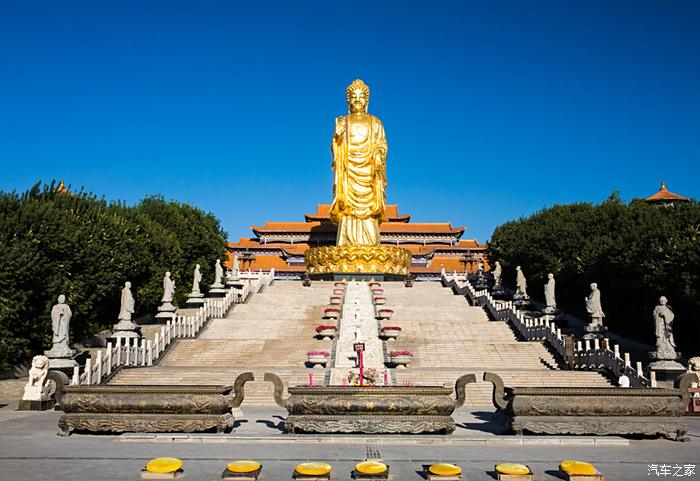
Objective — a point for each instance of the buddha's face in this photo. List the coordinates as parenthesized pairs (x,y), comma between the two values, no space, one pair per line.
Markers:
(357,100)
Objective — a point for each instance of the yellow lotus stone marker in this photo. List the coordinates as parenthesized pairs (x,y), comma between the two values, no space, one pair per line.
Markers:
(243,466)
(571,466)
(512,468)
(163,465)
(445,469)
(370,467)
(313,469)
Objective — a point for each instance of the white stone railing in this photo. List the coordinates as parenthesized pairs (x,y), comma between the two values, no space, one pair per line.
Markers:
(587,355)
(145,352)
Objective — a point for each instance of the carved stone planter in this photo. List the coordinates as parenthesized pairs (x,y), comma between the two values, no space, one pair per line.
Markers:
(384,313)
(148,408)
(391,332)
(598,411)
(401,361)
(336,300)
(379,300)
(326,332)
(370,409)
(331,312)
(317,359)
(339,291)
(377,291)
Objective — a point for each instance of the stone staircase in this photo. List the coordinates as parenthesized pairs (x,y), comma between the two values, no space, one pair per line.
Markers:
(448,338)
(270,333)
(275,329)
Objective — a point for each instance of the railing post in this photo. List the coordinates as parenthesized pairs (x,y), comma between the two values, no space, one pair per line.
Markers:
(98,361)
(156,342)
(76,376)
(119,351)
(149,348)
(109,358)
(640,373)
(127,351)
(88,371)
(587,343)
(616,350)
(596,344)
(652,378)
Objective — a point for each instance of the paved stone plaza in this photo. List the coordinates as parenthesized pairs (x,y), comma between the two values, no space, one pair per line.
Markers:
(30,450)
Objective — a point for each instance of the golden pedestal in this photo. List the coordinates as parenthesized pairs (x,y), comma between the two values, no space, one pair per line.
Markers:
(360,259)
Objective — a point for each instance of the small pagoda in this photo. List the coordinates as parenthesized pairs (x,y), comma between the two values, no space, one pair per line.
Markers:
(282,245)
(666,198)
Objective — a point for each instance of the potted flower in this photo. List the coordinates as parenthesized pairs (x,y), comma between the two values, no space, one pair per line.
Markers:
(377,291)
(318,357)
(374,283)
(340,284)
(384,313)
(391,332)
(400,358)
(331,312)
(326,331)
(338,292)
(336,300)
(379,300)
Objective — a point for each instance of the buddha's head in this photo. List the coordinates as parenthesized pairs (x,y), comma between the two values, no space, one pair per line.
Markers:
(357,96)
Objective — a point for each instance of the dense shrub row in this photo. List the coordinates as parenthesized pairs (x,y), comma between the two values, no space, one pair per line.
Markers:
(634,251)
(53,241)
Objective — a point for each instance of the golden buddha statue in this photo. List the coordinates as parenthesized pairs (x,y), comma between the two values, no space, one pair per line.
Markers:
(359,165)
(359,197)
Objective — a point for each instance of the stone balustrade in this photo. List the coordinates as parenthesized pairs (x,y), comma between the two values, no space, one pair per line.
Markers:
(600,354)
(142,352)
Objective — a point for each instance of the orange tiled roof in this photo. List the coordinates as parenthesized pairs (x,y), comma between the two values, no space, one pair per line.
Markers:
(323,213)
(665,195)
(386,227)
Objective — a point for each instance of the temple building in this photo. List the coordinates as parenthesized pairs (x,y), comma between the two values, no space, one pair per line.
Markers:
(665,197)
(281,245)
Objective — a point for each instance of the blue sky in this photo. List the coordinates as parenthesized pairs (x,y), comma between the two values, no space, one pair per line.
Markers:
(492,110)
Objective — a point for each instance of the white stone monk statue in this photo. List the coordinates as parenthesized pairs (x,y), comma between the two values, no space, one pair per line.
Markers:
(218,274)
(197,278)
(497,275)
(520,284)
(359,165)
(60,324)
(663,320)
(594,307)
(168,289)
(127,303)
(549,295)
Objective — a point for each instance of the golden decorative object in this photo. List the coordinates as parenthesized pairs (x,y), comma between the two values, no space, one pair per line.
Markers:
(571,466)
(370,467)
(512,468)
(313,469)
(445,469)
(163,465)
(359,166)
(367,259)
(243,466)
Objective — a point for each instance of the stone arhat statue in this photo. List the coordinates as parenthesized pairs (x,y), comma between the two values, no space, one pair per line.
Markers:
(520,284)
(168,289)
(218,274)
(60,324)
(197,278)
(595,310)
(549,295)
(127,303)
(663,321)
(497,275)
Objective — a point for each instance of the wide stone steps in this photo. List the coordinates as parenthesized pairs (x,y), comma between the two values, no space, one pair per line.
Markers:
(258,392)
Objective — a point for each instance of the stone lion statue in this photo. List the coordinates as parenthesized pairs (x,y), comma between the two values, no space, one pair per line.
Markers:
(35,389)
(694,365)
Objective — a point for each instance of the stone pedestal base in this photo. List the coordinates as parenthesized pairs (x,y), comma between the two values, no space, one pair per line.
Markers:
(521,301)
(44,405)
(166,311)
(126,329)
(217,292)
(667,370)
(62,363)
(595,331)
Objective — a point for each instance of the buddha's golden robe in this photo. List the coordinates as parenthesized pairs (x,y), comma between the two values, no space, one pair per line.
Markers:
(359,190)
